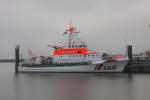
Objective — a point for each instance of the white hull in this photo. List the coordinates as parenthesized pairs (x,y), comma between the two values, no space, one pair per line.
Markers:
(117,66)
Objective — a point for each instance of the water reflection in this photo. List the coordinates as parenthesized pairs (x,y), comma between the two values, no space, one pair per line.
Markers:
(67,86)
(72,86)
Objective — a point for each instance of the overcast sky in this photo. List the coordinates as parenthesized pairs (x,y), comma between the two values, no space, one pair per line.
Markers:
(106,25)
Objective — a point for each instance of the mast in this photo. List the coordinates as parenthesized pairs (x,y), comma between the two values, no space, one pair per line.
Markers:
(70,33)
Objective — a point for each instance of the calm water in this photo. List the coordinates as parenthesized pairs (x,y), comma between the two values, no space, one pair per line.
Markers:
(72,86)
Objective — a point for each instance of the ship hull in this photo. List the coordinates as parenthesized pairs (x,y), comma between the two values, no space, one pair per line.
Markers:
(108,66)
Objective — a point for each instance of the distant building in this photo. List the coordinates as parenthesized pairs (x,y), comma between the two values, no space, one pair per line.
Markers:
(142,56)
(147,53)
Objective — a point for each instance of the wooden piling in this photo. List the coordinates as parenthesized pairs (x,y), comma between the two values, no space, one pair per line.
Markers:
(16,58)
(129,47)
(129,65)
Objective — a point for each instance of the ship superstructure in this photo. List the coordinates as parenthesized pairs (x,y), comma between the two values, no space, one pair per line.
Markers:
(76,50)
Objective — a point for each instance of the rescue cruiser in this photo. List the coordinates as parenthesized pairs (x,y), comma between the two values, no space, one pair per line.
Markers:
(75,56)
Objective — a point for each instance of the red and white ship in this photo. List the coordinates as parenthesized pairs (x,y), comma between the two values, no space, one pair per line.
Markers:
(75,56)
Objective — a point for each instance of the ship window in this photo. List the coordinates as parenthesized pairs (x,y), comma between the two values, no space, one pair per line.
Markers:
(89,55)
(69,55)
(72,46)
(69,46)
(76,46)
(72,55)
(61,56)
(80,55)
(80,46)
(93,55)
(76,55)
(96,55)
(84,55)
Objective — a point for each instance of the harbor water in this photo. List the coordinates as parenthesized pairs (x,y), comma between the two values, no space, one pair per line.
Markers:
(72,86)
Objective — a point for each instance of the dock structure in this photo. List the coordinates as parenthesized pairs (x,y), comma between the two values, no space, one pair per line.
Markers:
(140,66)
(136,65)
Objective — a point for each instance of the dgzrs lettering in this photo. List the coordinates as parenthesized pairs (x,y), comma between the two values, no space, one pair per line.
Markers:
(109,67)
(101,67)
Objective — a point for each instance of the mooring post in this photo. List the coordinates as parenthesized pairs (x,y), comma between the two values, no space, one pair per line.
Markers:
(130,52)
(129,65)
(16,58)
(129,48)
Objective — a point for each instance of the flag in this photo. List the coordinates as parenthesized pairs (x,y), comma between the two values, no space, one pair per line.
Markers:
(71,30)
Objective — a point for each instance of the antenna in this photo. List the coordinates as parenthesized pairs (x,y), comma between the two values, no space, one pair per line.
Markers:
(70,24)
(124,45)
(70,32)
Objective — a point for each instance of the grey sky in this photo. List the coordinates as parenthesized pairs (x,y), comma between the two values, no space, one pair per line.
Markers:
(104,24)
